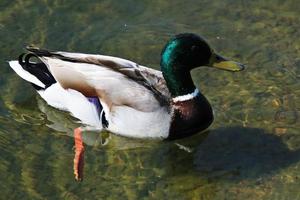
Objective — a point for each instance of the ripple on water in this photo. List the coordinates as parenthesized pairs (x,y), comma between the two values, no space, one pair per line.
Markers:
(250,152)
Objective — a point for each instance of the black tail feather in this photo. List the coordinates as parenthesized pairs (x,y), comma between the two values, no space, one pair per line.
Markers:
(38,69)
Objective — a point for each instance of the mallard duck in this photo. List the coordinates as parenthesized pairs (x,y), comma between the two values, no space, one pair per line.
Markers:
(123,97)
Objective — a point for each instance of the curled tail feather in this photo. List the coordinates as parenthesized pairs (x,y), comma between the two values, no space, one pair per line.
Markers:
(37,69)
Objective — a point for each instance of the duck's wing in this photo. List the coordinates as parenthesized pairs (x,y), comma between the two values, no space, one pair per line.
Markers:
(98,75)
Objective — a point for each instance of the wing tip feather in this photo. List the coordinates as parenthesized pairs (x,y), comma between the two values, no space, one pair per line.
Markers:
(38,51)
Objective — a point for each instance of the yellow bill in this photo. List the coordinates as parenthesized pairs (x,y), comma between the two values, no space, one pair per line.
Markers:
(220,62)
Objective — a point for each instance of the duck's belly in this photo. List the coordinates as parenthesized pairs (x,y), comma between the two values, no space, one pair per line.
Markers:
(129,122)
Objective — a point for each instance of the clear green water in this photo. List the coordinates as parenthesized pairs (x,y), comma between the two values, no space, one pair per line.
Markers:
(252,150)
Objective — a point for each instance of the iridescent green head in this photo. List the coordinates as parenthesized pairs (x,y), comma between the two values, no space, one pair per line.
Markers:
(185,52)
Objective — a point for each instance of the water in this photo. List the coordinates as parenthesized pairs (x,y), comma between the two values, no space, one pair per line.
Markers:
(250,152)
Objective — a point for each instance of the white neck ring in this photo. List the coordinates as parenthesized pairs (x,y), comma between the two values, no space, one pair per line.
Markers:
(186,97)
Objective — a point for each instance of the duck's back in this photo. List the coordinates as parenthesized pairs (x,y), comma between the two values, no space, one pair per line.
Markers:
(135,99)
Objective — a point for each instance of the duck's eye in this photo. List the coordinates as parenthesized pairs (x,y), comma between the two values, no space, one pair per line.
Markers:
(195,48)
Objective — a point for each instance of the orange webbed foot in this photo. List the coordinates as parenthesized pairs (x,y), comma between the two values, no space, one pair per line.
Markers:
(79,154)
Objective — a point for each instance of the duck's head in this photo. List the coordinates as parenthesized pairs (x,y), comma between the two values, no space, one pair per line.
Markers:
(185,52)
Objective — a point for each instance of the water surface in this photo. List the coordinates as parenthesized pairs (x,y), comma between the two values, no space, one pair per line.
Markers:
(250,152)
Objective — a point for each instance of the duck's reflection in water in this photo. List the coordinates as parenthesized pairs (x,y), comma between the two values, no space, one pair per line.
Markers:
(233,153)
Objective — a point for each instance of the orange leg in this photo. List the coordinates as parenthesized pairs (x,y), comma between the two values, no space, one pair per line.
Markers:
(79,154)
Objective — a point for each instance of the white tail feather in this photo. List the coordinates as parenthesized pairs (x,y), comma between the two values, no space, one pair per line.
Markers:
(25,74)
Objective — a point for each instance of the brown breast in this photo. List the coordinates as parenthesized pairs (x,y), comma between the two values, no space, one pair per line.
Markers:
(190,117)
